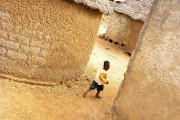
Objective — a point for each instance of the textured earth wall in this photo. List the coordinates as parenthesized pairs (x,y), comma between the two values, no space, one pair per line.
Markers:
(125,30)
(119,28)
(136,28)
(152,82)
(46,40)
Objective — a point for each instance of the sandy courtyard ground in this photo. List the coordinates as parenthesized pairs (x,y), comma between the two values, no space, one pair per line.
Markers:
(20,101)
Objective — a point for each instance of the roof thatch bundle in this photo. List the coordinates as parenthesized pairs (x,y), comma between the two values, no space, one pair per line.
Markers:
(103,5)
(137,9)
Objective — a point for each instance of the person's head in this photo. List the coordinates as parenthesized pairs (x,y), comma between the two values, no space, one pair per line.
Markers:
(106,65)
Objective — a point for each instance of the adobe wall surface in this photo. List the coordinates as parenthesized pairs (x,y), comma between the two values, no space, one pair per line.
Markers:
(152,85)
(136,27)
(46,40)
(119,28)
(125,30)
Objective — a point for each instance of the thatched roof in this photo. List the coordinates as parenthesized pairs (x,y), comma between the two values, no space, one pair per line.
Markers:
(103,5)
(137,9)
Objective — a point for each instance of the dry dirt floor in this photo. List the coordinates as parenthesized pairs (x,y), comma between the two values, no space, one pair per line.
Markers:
(20,101)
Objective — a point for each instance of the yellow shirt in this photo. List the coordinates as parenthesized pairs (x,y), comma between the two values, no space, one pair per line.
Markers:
(101,77)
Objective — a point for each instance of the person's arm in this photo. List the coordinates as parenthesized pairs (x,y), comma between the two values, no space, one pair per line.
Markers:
(102,77)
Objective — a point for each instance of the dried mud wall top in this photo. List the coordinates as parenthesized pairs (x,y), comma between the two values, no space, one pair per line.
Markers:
(152,85)
(46,40)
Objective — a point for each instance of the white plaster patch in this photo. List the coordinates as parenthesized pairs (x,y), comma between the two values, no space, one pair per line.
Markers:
(5,16)
(27,31)
(163,51)
(175,75)
(174,18)
(16,56)
(6,26)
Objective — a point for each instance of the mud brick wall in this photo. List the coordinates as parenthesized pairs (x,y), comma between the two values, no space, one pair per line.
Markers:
(46,40)
(136,27)
(119,28)
(125,30)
